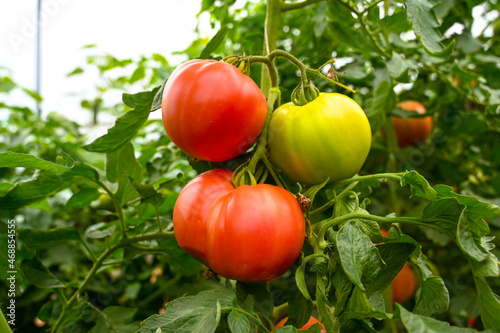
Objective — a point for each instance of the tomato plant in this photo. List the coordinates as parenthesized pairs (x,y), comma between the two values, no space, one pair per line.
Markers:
(211,110)
(309,323)
(412,130)
(112,235)
(327,138)
(251,233)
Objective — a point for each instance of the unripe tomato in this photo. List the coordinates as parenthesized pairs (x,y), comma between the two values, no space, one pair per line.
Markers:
(328,137)
(211,110)
(412,130)
(248,233)
(308,325)
(403,286)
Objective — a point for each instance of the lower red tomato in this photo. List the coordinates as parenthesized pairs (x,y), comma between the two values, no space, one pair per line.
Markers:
(311,322)
(248,233)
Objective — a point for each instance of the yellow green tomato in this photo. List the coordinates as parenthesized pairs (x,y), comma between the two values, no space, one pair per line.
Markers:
(329,137)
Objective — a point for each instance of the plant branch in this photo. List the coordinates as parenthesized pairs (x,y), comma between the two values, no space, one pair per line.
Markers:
(100,261)
(117,206)
(285,6)
(325,225)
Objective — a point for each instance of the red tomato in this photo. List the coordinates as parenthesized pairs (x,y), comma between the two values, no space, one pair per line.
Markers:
(248,233)
(211,110)
(191,210)
(412,130)
(404,284)
(311,322)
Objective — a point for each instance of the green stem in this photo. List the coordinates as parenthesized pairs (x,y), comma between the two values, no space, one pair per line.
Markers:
(158,219)
(271,33)
(369,33)
(255,320)
(261,144)
(297,5)
(389,324)
(398,175)
(86,246)
(392,144)
(117,206)
(279,312)
(318,73)
(4,326)
(325,225)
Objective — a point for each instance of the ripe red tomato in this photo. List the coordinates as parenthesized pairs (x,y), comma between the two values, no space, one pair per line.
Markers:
(248,233)
(412,130)
(192,207)
(404,284)
(211,110)
(308,325)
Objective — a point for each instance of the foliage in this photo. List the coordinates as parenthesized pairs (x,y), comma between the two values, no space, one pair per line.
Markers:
(96,251)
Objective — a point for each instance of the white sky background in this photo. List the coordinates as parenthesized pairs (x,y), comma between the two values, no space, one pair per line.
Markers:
(123,28)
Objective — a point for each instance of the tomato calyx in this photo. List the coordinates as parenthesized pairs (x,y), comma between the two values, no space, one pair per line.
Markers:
(304,93)
(242,63)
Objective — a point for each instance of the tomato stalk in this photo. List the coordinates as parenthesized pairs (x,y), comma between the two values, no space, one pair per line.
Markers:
(326,224)
(392,143)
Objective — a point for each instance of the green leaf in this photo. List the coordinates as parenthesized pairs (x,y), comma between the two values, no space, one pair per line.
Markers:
(138,74)
(125,128)
(181,261)
(15,160)
(42,205)
(5,188)
(38,275)
(419,186)
(238,322)
(489,304)
(158,97)
(118,171)
(263,302)
(476,209)
(83,198)
(360,259)
(432,297)
(214,43)
(415,323)
(299,308)
(40,239)
(148,193)
(421,15)
(115,319)
(100,230)
(191,314)
(397,66)
(383,102)
(359,306)
(44,185)
(396,23)
(142,100)
(395,255)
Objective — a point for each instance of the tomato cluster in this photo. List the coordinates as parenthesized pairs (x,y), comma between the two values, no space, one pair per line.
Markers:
(214,112)
(248,233)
